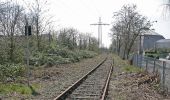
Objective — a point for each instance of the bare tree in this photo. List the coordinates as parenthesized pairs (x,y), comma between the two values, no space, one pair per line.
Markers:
(128,23)
(117,30)
(93,44)
(39,20)
(82,41)
(73,37)
(10,16)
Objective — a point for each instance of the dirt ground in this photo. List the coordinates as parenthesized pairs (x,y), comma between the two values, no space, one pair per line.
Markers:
(135,85)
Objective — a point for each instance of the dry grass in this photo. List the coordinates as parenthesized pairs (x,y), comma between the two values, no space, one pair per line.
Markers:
(130,83)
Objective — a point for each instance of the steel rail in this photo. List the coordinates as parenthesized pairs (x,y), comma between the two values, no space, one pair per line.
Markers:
(107,84)
(64,94)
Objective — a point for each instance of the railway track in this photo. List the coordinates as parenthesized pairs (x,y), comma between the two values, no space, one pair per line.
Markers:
(92,86)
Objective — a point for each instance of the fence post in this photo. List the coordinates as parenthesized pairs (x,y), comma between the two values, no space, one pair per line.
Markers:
(154,63)
(137,59)
(163,76)
(146,65)
(133,59)
(141,58)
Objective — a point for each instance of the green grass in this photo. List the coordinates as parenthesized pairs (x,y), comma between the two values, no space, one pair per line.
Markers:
(124,64)
(131,69)
(18,88)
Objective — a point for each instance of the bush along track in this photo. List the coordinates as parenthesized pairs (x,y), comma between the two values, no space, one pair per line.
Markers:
(13,77)
(60,56)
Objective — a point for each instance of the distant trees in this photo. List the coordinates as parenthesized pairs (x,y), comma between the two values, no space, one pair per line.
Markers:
(126,28)
(72,39)
(13,19)
(93,44)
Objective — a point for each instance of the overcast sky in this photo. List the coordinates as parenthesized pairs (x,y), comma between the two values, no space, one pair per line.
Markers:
(81,13)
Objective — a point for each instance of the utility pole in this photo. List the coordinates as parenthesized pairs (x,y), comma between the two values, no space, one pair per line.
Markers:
(99,24)
(27,34)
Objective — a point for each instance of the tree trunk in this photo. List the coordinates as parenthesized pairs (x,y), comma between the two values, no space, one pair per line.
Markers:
(11,54)
(38,34)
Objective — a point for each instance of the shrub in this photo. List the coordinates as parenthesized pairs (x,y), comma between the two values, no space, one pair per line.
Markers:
(59,56)
(19,55)
(11,71)
(50,62)
(3,56)
(34,61)
(18,88)
(86,54)
(38,59)
(73,56)
(61,60)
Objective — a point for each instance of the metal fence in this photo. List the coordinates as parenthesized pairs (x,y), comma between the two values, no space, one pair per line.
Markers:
(161,66)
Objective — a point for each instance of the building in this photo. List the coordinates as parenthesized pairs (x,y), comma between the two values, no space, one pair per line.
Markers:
(149,39)
(163,44)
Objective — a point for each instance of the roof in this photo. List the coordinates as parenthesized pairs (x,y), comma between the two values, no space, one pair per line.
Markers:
(163,41)
(150,32)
